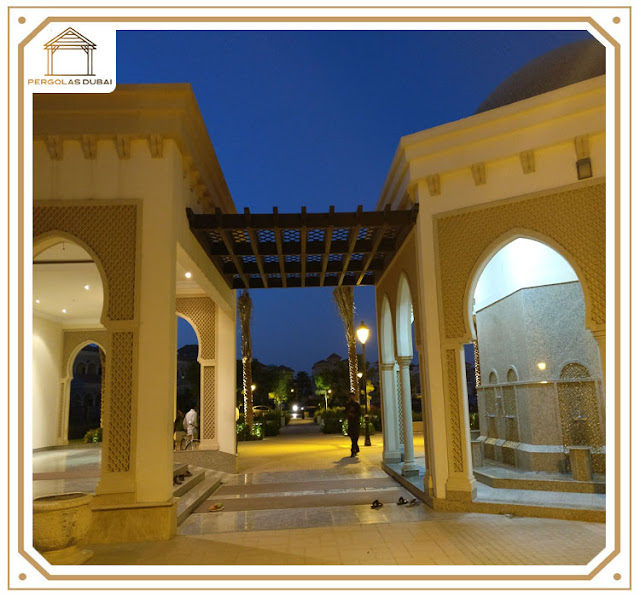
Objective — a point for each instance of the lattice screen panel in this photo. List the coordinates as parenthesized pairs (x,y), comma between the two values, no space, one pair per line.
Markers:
(110,232)
(573,219)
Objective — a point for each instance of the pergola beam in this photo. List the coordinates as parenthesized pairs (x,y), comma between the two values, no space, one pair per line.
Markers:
(238,245)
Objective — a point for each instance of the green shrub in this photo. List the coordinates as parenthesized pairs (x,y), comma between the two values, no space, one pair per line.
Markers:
(244,434)
(93,436)
(331,425)
(271,427)
(474,421)
(372,429)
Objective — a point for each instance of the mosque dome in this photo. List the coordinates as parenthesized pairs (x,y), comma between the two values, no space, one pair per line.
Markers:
(566,65)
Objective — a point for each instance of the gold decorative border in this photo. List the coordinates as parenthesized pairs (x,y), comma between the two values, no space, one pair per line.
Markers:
(21,229)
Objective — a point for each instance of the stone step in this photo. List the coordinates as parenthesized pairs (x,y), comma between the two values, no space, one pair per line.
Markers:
(179,469)
(197,476)
(539,484)
(307,499)
(195,496)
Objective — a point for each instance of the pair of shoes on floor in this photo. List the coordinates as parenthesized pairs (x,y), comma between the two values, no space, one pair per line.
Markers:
(187,474)
(377,504)
(178,480)
(402,501)
(216,507)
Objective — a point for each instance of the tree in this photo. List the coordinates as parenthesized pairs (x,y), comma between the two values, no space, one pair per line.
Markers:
(244,307)
(343,295)
(282,387)
(303,384)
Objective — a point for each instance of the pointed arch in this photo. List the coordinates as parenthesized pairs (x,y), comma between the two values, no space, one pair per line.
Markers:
(498,244)
(387,343)
(404,318)
(51,238)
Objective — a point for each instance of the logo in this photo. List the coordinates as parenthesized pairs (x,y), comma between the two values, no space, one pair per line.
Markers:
(76,47)
(70,60)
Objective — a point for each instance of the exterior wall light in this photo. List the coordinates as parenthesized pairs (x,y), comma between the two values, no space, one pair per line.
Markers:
(584,168)
(187,275)
(542,366)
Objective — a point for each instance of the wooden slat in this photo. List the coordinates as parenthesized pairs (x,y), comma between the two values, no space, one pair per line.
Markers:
(353,237)
(377,239)
(328,234)
(278,234)
(303,248)
(255,247)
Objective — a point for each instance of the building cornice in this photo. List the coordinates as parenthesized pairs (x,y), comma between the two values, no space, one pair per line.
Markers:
(523,126)
(152,112)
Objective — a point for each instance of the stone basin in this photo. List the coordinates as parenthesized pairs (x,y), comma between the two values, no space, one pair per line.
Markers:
(60,522)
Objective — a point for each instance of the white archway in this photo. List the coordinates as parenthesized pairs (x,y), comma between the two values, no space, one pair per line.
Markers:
(391,405)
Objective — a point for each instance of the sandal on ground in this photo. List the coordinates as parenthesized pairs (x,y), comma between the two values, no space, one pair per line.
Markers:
(216,508)
(377,504)
(414,502)
(402,501)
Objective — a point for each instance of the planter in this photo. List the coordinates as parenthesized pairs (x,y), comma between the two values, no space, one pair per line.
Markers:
(59,523)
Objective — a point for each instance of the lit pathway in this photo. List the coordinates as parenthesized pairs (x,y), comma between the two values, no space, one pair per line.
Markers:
(299,499)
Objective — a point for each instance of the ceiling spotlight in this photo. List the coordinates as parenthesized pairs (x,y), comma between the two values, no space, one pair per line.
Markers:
(38,301)
(86,286)
(542,366)
(64,310)
(187,275)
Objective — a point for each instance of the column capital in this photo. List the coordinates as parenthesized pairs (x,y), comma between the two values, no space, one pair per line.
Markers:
(404,361)
(387,366)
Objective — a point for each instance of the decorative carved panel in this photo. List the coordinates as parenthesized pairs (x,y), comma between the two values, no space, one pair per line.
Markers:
(574,219)
(208,419)
(201,311)
(455,432)
(74,339)
(110,232)
(120,402)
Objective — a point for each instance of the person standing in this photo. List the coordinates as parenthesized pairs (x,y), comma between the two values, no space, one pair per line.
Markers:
(353,422)
(191,423)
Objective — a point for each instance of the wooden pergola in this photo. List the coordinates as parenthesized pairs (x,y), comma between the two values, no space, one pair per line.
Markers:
(302,250)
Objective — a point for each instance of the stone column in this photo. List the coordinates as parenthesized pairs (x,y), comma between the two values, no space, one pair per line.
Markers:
(391,452)
(208,440)
(461,484)
(201,312)
(226,378)
(426,425)
(117,479)
(64,395)
(409,469)
(431,374)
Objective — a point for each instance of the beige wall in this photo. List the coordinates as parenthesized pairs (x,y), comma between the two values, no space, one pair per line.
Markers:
(48,340)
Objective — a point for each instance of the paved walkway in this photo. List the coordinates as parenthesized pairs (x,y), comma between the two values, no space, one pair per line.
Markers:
(300,499)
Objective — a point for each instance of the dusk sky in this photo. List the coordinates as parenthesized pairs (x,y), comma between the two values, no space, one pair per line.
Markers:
(313,118)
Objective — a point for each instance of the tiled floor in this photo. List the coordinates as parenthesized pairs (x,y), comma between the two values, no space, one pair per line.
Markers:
(298,500)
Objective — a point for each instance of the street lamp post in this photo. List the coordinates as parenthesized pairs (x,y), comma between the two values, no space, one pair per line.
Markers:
(326,399)
(363,334)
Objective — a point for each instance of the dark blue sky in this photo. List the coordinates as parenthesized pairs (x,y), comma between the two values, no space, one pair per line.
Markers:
(313,118)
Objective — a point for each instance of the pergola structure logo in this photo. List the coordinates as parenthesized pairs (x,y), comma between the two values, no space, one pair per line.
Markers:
(72,65)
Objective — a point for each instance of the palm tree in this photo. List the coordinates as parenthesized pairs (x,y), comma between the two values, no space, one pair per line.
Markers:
(244,306)
(343,295)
